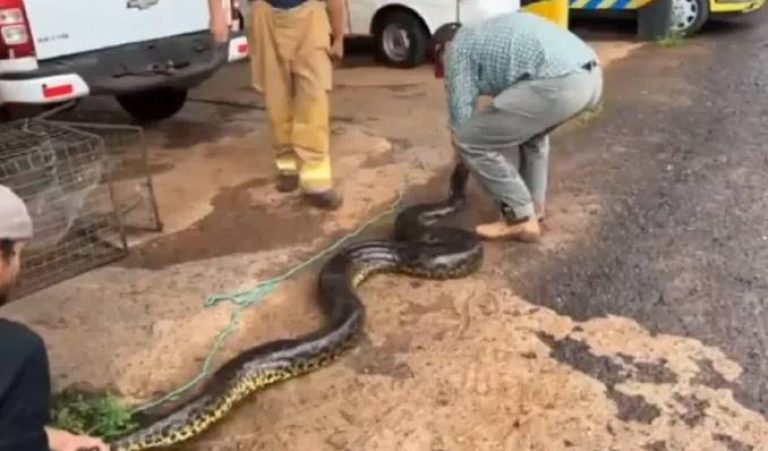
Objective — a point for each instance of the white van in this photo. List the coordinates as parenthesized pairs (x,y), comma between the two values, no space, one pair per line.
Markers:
(147,53)
(403,29)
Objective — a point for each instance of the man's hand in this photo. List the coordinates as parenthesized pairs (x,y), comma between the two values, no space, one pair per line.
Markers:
(338,15)
(337,49)
(218,24)
(59,440)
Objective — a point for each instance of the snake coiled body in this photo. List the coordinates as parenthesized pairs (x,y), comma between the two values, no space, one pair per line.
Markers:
(419,248)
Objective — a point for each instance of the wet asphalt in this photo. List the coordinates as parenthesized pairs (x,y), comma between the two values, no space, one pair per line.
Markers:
(678,159)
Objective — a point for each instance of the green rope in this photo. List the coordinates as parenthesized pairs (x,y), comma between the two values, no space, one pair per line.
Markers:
(245,299)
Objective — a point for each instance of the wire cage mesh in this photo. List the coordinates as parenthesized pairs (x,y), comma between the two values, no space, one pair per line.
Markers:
(64,173)
(132,188)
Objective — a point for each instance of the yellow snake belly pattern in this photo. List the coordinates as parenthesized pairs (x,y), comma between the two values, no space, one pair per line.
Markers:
(419,249)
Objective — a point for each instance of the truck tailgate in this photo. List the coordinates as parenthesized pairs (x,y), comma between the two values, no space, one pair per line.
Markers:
(67,27)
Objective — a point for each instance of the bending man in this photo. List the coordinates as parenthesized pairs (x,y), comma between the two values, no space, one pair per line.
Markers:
(539,76)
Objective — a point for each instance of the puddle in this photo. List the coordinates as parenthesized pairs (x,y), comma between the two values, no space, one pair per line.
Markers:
(237,223)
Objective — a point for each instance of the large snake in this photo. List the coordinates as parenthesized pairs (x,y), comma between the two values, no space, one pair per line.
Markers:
(419,248)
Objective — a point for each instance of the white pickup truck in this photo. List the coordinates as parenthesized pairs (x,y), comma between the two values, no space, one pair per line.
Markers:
(146,53)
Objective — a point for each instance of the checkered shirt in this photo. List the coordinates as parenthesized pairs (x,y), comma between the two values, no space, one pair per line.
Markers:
(488,57)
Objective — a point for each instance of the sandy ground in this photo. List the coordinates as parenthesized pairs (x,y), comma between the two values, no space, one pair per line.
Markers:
(460,365)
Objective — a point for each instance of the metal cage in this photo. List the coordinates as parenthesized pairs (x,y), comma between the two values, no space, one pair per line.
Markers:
(64,176)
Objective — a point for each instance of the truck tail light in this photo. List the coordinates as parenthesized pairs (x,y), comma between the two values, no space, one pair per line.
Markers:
(15,35)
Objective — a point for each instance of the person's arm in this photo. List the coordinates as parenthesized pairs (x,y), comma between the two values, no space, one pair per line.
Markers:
(25,393)
(337,13)
(461,87)
(218,24)
(59,440)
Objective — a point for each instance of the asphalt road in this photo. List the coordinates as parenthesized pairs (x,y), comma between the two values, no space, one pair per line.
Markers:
(679,159)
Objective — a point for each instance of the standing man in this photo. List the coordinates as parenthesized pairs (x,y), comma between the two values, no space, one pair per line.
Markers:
(292,46)
(539,75)
(24,374)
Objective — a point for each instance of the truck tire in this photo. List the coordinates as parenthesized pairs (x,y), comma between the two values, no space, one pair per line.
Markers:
(688,16)
(154,105)
(401,39)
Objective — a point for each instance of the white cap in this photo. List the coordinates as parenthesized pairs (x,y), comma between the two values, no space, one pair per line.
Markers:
(15,222)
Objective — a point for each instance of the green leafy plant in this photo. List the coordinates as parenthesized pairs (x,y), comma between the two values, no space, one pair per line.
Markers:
(672,39)
(99,415)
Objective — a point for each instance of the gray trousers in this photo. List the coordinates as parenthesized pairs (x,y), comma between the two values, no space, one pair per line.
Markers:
(507,146)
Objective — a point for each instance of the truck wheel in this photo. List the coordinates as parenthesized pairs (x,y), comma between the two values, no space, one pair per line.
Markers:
(401,39)
(688,16)
(154,105)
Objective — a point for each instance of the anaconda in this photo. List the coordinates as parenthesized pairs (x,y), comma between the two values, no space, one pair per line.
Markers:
(420,248)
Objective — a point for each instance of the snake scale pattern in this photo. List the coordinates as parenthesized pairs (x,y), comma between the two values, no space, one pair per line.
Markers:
(419,249)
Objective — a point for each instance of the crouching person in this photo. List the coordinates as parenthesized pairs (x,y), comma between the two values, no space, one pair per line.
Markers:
(539,76)
(24,373)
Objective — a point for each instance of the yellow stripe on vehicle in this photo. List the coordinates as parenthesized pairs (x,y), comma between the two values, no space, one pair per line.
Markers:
(607,4)
(637,4)
(579,4)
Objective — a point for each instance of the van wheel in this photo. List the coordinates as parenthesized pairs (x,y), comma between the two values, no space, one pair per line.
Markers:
(154,105)
(688,16)
(401,39)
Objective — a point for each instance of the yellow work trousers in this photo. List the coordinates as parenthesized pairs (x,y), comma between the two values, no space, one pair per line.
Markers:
(291,66)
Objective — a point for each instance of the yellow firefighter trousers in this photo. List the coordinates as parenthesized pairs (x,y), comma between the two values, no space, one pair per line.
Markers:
(291,66)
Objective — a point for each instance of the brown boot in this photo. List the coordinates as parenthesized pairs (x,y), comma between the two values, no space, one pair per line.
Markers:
(326,200)
(527,230)
(287,182)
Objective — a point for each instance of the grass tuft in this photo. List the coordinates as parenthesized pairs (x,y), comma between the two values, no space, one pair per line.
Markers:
(95,414)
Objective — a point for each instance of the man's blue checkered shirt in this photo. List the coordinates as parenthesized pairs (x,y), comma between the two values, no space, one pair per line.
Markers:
(488,57)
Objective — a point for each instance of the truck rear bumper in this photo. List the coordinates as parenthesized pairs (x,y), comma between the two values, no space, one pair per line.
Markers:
(179,61)
(55,88)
